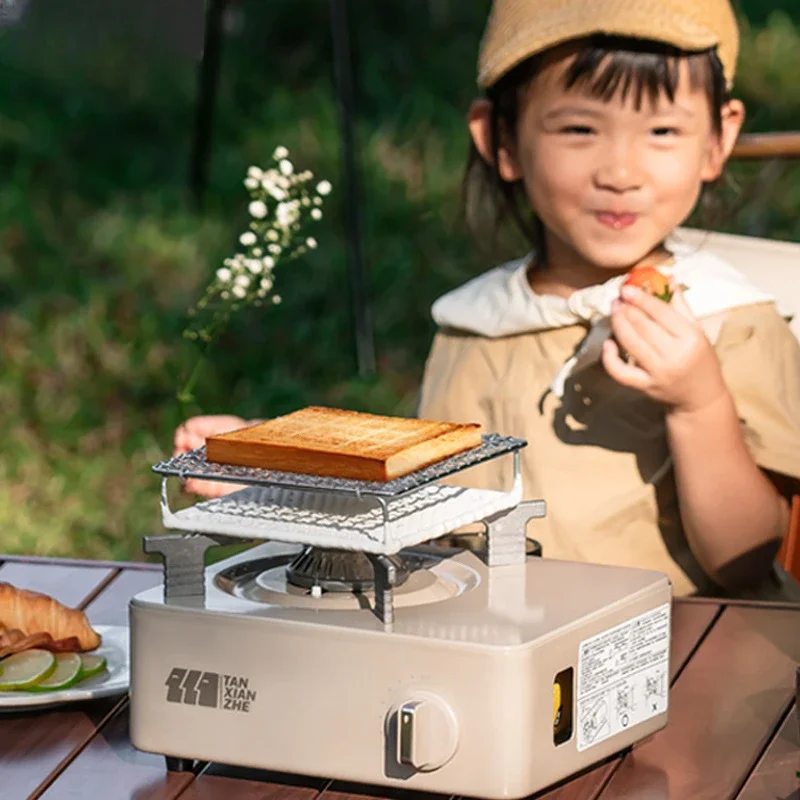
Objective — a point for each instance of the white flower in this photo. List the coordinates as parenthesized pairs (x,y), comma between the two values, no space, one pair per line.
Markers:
(281,200)
(257,209)
(286,214)
(273,190)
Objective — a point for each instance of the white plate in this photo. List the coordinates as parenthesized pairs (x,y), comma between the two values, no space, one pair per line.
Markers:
(113,680)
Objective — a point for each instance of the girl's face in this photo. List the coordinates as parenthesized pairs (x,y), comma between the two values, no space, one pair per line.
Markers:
(610,182)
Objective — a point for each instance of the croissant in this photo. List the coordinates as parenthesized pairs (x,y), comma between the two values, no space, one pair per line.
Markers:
(15,641)
(35,613)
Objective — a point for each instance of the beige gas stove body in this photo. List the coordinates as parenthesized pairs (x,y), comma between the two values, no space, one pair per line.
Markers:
(455,695)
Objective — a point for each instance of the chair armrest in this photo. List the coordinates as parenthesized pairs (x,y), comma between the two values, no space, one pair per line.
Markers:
(789,553)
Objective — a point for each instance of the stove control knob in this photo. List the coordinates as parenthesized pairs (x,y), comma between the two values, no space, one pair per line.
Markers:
(427,733)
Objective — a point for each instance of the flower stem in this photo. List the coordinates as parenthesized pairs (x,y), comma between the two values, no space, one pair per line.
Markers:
(186,400)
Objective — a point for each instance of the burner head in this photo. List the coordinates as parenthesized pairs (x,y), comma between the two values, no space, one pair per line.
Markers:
(338,570)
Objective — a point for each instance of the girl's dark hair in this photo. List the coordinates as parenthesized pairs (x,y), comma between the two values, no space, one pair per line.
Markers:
(603,64)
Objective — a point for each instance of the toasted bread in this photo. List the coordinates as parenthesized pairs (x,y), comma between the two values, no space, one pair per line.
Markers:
(343,444)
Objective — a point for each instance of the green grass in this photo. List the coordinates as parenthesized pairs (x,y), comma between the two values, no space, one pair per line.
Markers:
(101,251)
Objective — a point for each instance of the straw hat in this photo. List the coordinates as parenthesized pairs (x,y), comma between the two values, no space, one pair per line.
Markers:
(517,29)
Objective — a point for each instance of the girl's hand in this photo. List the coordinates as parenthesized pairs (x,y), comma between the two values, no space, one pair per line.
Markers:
(192,434)
(673,360)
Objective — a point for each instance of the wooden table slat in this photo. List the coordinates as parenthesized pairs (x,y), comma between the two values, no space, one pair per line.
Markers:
(66,561)
(111,606)
(244,784)
(111,768)
(723,711)
(69,584)
(775,775)
(33,743)
(340,790)
(689,624)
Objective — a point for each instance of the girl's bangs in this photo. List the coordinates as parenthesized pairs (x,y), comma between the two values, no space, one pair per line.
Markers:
(608,67)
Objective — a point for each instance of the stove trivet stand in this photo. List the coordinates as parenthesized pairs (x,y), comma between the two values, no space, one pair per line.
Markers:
(184,555)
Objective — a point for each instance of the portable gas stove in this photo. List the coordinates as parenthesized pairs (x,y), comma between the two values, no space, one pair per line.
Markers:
(350,645)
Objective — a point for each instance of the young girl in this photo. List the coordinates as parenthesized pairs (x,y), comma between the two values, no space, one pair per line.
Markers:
(661,434)
(654,428)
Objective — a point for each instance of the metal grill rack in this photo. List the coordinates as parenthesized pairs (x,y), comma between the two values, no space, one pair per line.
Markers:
(379,519)
(195,465)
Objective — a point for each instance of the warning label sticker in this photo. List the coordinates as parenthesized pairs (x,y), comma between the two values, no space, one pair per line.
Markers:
(623,676)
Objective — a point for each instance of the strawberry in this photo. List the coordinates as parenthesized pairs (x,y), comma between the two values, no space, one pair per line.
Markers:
(650,280)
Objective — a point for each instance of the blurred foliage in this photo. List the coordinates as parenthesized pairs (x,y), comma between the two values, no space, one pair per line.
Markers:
(102,249)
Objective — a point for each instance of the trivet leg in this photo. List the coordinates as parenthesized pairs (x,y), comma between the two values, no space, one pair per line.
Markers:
(506,534)
(184,564)
(385,581)
(175,764)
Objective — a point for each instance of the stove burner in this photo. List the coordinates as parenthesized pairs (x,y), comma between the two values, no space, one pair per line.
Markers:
(338,570)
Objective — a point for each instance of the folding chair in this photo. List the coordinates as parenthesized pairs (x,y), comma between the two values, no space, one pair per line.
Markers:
(789,554)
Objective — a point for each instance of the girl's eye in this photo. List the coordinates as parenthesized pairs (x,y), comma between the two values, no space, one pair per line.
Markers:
(578,130)
(660,132)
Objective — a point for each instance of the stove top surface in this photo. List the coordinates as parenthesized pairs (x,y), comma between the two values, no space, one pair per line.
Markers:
(447,594)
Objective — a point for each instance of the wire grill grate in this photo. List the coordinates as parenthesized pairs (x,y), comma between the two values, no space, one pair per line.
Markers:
(195,465)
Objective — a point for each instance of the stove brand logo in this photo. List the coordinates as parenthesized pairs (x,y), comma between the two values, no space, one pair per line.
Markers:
(193,687)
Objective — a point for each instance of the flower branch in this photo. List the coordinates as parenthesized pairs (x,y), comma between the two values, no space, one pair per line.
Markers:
(283,204)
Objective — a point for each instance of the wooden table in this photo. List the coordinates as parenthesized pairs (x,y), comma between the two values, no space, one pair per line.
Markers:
(733,730)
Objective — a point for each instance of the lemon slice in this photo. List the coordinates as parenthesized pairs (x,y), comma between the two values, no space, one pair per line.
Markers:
(25,669)
(68,667)
(91,665)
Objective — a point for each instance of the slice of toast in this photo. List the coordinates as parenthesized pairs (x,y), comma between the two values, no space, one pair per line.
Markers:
(343,444)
